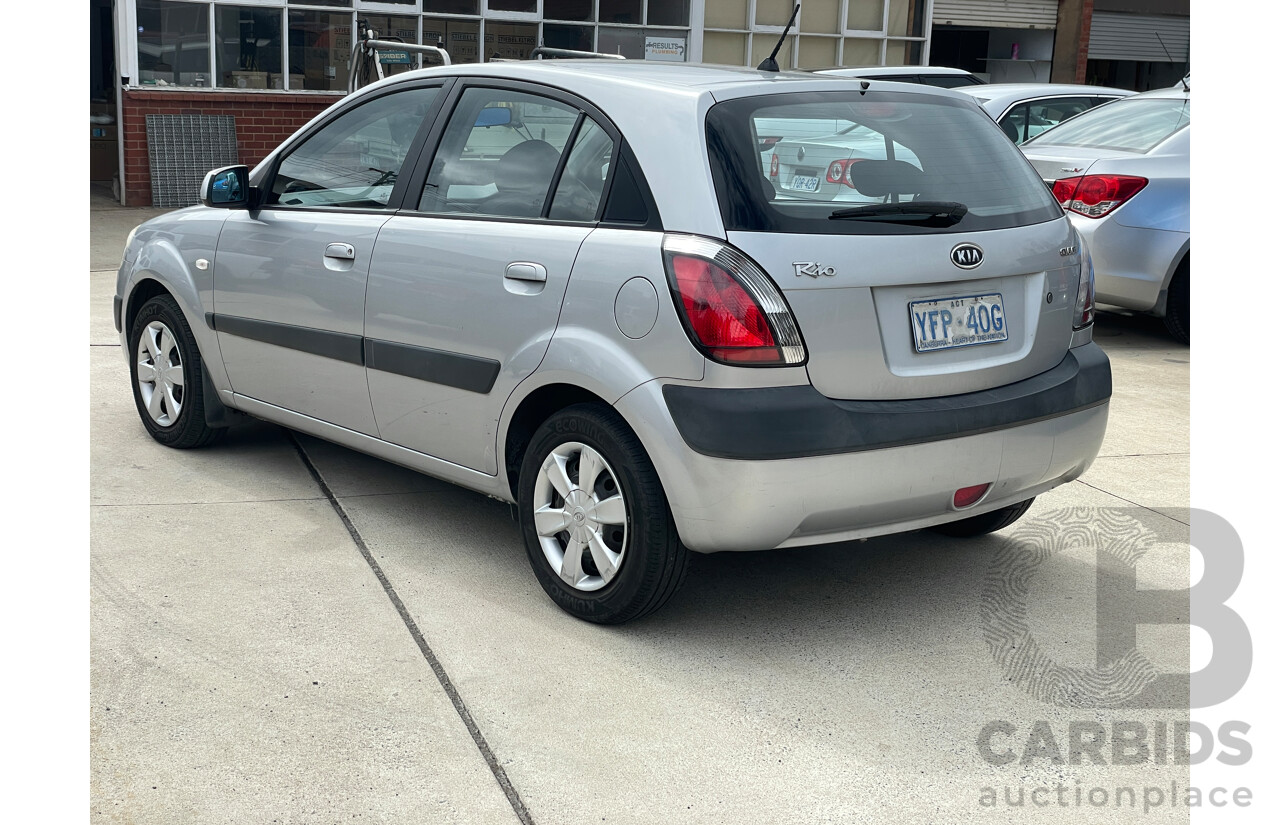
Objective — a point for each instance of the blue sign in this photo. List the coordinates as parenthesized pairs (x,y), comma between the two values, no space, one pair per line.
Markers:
(394,57)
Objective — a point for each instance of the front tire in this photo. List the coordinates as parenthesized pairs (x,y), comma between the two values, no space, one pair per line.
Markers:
(168,376)
(595,520)
(985,523)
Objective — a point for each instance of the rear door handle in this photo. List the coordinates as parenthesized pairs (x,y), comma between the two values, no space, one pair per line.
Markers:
(340,251)
(524,271)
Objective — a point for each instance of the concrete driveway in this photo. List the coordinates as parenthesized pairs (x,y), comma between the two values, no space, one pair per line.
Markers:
(287,631)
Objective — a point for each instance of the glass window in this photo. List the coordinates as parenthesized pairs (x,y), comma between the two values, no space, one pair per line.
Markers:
(498,154)
(821,16)
(514,41)
(762,45)
(319,49)
(452,6)
(343,3)
(802,166)
(668,13)
(906,18)
(557,36)
(1043,114)
(567,10)
(461,37)
(725,14)
(773,12)
(859,51)
(250,47)
(399,30)
(724,47)
(866,16)
(621,11)
(1130,125)
(354,161)
(527,6)
(581,184)
(817,52)
(907,53)
(173,44)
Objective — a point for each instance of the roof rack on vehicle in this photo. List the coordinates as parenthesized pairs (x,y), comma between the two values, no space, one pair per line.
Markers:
(548,53)
(366,67)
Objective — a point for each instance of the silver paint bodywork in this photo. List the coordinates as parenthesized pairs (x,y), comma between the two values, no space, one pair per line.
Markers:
(439,283)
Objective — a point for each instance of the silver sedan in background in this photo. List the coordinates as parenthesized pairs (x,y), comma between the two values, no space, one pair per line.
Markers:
(1123,174)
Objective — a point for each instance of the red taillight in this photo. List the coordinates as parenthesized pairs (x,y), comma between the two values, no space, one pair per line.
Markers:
(838,171)
(773,167)
(969,496)
(1096,195)
(732,310)
(721,314)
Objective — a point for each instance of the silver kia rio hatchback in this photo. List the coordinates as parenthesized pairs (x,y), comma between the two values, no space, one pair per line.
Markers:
(585,287)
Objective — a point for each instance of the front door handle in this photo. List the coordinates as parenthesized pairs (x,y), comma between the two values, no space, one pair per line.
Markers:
(340,251)
(524,271)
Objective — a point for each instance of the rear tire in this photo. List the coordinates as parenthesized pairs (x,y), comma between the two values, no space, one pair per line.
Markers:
(1177,313)
(168,376)
(595,520)
(985,523)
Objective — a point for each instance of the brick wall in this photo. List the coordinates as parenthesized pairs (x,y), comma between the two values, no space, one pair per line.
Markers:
(1071,41)
(263,120)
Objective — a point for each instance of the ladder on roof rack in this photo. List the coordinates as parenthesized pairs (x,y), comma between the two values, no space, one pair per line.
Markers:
(365,66)
(548,53)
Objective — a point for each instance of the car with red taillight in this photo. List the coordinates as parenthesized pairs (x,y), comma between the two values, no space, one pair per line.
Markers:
(1122,172)
(575,286)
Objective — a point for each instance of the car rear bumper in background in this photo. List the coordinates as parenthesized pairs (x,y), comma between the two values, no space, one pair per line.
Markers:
(1130,263)
(781,468)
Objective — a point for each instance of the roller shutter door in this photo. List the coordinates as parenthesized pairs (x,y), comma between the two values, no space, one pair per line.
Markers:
(1000,14)
(1138,37)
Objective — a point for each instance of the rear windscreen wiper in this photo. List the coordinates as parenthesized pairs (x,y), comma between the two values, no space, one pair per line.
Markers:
(944,213)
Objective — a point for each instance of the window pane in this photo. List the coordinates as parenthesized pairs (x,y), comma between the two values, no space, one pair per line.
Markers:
(724,47)
(621,11)
(817,52)
(530,6)
(859,52)
(354,161)
(668,12)
(249,47)
(582,183)
(821,16)
(557,36)
(902,53)
(627,42)
(773,12)
(319,49)
(566,10)
(865,15)
(726,14)
(461,37)
(343,3)
(399,29)
(906,18)
(510,40)
(498,154)
(452,6)
(173,44)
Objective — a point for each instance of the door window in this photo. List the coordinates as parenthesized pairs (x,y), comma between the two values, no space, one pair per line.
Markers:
(499,154)
(353,162)
(1045,114)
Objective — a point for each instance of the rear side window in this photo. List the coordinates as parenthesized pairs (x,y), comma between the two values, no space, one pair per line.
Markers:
(1134,125)
(800,163)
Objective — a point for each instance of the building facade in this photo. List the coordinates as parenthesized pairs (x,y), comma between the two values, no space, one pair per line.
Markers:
(262,68)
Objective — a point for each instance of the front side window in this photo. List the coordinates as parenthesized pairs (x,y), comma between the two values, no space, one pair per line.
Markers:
(874,163)
(499,154)
(353,162)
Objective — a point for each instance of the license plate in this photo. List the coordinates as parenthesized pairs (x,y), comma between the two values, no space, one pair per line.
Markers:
(804,183)
(958,322)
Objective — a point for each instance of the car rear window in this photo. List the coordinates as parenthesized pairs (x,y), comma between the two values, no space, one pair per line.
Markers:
(774,159)
(1134,125)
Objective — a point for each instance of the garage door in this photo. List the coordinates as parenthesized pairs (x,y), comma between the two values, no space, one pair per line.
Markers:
(1139,37)
(1001,14)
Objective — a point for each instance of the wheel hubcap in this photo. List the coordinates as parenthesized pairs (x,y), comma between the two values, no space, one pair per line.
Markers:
(580,516)
(161,379)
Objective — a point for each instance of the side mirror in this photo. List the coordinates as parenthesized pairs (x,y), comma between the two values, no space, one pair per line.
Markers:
(226,188)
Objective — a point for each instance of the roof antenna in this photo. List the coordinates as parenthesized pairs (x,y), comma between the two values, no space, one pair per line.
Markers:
(1185,87)
(769,64)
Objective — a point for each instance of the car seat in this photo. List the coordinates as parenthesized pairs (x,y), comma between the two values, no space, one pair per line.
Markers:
(523,177)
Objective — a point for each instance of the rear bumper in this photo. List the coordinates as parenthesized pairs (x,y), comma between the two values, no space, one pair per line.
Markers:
(1131,264)
(860,483)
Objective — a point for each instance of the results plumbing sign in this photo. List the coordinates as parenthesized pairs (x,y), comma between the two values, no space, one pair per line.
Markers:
(664,48)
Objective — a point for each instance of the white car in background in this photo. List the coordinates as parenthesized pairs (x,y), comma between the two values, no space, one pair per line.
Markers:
(941,76)
(1024,110)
